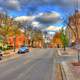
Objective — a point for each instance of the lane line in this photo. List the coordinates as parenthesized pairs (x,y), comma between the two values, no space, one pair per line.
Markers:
(15,68)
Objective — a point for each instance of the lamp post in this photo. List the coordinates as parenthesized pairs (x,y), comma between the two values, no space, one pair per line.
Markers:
(25,34)
(45,38)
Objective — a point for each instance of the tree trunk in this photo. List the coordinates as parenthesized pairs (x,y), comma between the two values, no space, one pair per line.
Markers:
(64,48)
(14,47)
(32,43)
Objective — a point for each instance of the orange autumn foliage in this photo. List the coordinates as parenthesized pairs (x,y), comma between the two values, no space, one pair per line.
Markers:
(19,40)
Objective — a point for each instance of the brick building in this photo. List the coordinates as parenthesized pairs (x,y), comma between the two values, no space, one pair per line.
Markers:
(73,29)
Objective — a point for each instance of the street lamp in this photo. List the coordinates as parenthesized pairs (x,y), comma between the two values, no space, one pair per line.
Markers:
(45,38)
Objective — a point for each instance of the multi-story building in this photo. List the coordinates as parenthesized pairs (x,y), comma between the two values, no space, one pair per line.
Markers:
(73,29)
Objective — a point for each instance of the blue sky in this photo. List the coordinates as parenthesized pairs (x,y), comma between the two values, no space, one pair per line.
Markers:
(18,8)
(30,7)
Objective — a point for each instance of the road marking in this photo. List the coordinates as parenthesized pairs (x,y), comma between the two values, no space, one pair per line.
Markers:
(24,54)
(27,61)
(22,75)
(59,52)
(17,58)
(5,61)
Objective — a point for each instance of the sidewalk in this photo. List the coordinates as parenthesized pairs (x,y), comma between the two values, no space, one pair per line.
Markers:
(75,70)
(68,51)
(9,53)
(67,71)
(10,56)
(71,72)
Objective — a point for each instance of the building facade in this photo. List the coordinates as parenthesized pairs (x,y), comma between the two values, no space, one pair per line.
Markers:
(73,29)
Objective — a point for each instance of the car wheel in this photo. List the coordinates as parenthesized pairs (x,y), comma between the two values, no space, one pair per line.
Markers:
(0,58)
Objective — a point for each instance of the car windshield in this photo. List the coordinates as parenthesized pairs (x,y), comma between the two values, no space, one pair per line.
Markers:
(24,46)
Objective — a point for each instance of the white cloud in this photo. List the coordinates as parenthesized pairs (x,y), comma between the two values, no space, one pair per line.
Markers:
(10,4)
(13,4)
(35,24)
(51,33)
(40,14)
(52,17)
(24,18)
(53,28)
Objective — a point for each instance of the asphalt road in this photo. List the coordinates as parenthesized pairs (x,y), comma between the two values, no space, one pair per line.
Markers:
(38,66)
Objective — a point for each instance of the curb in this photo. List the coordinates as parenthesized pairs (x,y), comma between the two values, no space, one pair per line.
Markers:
(67,72)
(60,54)
(59,75)
(9,58)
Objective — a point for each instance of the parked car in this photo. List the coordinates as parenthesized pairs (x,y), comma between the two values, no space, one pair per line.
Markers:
(23,49)
(1,54)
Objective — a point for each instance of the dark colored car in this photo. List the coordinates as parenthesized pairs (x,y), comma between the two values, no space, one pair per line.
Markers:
(23,49)
(1,55)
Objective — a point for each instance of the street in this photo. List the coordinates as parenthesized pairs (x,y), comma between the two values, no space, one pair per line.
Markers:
(39,66)
(39,40)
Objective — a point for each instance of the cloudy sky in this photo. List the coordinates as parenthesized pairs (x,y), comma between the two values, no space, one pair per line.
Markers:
(47,14)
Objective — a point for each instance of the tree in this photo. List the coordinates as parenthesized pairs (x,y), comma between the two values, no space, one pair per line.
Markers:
(15,32)
(64,39)
(37,36)
(27,28)
(5,32)
(8,27)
